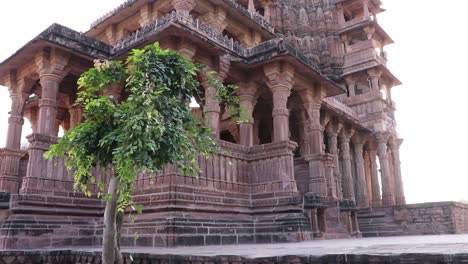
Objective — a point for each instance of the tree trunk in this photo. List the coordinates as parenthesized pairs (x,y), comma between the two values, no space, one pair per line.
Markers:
(110,246)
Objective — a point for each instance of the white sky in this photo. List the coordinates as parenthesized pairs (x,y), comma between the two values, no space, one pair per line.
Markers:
(429,57)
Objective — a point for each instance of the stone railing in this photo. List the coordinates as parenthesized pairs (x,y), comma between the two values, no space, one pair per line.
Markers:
(272,162)
(263,168)
(363,53)
(194,24)
(205,30)
(355,22)
(57,179)
(256,17)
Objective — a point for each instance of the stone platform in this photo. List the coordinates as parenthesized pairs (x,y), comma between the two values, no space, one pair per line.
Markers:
(408,249)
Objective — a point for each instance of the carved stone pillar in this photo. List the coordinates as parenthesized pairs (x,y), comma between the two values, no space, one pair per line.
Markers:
(312,102)
(351,84)
(280,82)
(375,184)
(362,199)
(15,121)
(59,120)
(48,103)
(347,180)
(51,67)
(212,109)
(333,147)
(399,190)
(32,114)
(313,217)
(374,76)
(183,7)
(333,131)
(76,115)
(365,4)
(387,196)
(11,155)
(246,93)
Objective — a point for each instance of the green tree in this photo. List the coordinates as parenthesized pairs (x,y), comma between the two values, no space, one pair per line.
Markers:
(152,127)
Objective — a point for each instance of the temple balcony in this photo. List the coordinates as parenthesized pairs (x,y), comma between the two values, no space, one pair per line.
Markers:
(364,55)
(368,107)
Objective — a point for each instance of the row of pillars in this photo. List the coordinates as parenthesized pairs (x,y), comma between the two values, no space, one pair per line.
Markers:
(51,68)
(392,184)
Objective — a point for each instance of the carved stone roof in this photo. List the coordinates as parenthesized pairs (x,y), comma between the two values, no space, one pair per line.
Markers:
(65,38)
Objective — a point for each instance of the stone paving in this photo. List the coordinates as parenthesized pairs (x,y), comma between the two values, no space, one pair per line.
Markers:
(440,244)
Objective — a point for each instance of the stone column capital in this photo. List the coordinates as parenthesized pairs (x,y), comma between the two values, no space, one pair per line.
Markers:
(346,134)
(247,90)
(52,64)
(360,138)
(382,138)
(279,77)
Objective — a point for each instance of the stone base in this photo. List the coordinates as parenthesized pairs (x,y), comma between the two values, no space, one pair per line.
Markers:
(36,221)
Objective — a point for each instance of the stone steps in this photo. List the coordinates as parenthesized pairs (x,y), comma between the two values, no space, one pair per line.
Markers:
(378,222)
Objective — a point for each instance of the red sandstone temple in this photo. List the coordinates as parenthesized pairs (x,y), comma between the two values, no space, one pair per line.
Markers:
(320,143)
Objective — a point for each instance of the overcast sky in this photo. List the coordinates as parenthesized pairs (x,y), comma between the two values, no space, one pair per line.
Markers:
(429,57)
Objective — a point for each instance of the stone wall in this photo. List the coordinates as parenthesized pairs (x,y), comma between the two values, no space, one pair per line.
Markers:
(433,218)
